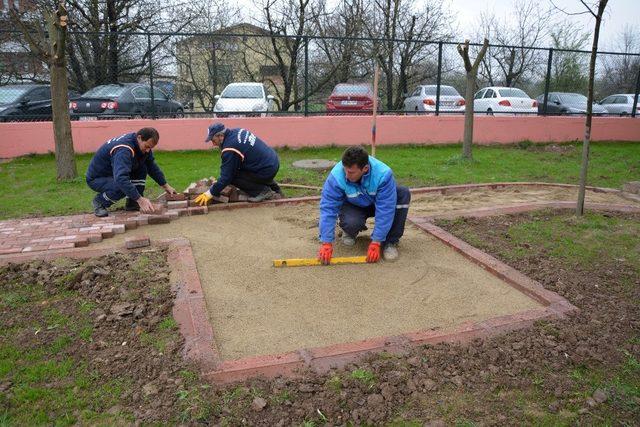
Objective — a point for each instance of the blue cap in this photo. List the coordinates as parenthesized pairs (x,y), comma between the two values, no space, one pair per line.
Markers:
(214,129)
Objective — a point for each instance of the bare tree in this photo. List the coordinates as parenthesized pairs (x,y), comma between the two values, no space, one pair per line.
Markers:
(408,21)
(472,74)
(588,8)
(513,61)
(50,46)
(620,71)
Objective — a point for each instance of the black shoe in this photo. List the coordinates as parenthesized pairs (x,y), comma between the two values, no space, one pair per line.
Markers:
(98,209)
(131,206)
(265,194)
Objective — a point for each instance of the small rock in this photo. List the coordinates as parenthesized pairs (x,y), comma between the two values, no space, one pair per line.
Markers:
(375,399)
(582,411)
(258,404)
(517,345)
(600,396)
(554,406)
(591,402)
(150,389)
(306,388)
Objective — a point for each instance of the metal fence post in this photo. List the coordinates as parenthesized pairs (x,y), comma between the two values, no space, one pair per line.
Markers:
(634,106)
(153,99)
(546,83)
(306,76)
(439,78)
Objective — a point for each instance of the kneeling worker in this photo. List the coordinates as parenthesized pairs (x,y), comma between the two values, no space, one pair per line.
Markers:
(358,188)
(120,167)
(247,163)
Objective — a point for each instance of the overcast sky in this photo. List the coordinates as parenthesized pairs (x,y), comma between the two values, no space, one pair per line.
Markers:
(617,14)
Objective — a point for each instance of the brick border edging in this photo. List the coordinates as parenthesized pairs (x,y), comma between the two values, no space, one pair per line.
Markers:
(193,319)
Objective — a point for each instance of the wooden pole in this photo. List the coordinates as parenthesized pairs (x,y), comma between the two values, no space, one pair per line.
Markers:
(375,110)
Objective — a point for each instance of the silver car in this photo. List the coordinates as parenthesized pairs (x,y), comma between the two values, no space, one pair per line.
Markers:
(620,104)
(423,99)
(243,99)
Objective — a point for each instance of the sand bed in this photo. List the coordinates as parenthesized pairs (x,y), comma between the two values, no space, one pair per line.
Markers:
(432,203)
(257,309)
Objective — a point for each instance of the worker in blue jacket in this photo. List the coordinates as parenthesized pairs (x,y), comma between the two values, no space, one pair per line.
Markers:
(247,163)
(358,188)
(120,167)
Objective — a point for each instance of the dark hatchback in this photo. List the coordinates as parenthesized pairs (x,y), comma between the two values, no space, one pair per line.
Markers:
(30,102)
(123,100)
(567,103)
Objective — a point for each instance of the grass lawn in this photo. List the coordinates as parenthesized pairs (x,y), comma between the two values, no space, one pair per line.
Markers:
(30,187)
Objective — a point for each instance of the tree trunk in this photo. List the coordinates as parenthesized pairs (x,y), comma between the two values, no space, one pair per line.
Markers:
(587,127)
(468,116)
(65,155)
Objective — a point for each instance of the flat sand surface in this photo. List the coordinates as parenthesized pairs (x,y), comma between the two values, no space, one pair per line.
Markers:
(432,203)
(257,309)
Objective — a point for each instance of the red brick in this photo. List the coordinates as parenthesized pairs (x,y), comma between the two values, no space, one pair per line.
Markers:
(94,237)
(158,219)
(175,197)
(201,210)
(178,204)
(5,251)
(67,245)
(34,248)
(137,242)
(118,228)
(130,224)
(107,233)
(80,241)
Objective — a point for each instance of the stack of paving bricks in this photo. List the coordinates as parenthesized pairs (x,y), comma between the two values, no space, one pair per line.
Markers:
(66,232)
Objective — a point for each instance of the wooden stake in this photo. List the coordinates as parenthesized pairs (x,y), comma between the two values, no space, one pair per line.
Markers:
(309,262)
(375,110)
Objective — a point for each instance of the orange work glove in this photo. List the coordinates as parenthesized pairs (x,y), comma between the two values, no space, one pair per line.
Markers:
(325,253)
(373,253)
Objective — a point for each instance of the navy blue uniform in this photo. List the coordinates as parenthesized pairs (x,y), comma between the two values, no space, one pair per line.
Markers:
(247,162)
(120,169)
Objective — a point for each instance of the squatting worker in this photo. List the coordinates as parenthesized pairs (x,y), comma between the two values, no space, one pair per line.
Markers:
(358,188)
(120,167)
(247,163)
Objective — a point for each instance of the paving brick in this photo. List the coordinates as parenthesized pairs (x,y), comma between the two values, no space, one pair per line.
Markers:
(94,237)
(632,187)
(118,228)
(178,204)
(199,189)
(36,248)
(171,214)
(201,210)
(220,199)
(130,224)
(158,219)
(137,242)
(6,251)
(175,197)
(107,233)
(67,245)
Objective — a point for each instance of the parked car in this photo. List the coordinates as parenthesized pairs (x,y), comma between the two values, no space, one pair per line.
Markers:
(567,103)
(620,104)
(351,98)
(243,99)
(503,100)
(27,102)
(123,100)
(423,98)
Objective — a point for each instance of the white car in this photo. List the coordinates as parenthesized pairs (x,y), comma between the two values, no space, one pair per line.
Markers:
(620,104)
(503,100)
(423,98)
(243,99)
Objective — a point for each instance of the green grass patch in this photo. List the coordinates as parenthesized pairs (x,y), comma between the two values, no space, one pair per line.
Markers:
(365,376)
(611,164)
(578,240)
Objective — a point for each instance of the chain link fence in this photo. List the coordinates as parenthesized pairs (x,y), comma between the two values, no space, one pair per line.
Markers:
(251,73)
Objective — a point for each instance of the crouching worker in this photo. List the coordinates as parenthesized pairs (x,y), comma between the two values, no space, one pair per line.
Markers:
(247,163)
(119,169)
(358,188)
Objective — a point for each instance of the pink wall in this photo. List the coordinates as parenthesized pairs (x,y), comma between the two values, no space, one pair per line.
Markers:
(18,139)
